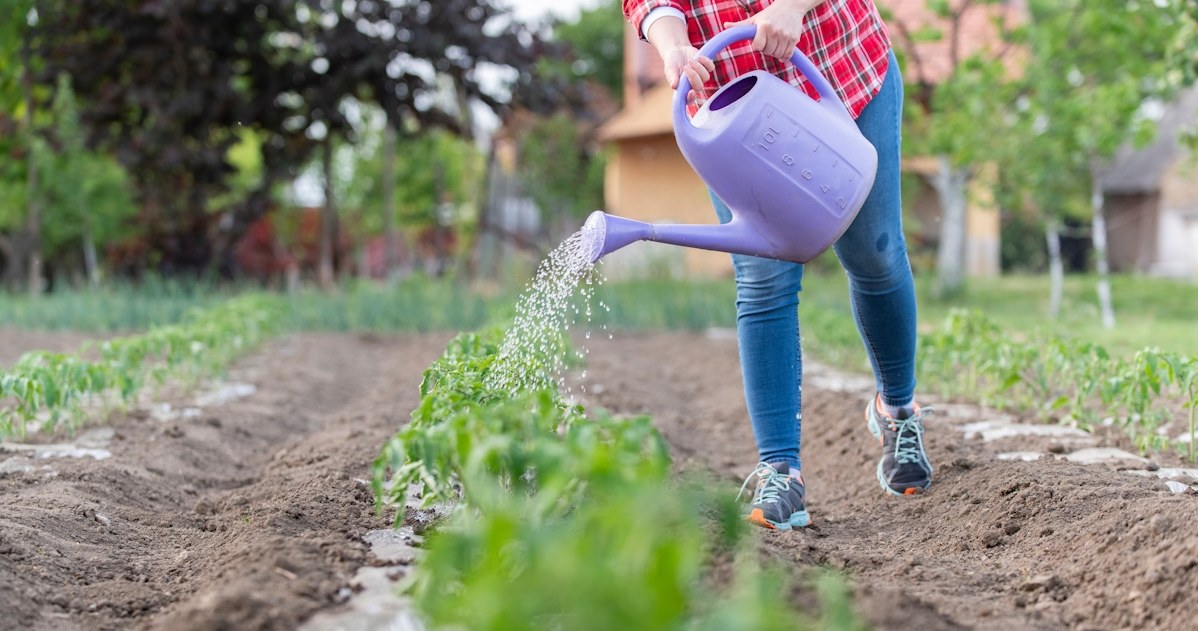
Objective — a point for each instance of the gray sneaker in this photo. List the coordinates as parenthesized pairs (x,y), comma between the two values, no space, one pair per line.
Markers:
(778,499)
(904,468)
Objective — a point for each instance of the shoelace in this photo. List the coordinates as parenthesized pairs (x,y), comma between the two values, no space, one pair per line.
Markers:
(908,444)
(768,492)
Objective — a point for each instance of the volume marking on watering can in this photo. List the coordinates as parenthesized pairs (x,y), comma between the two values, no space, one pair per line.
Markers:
(770,135)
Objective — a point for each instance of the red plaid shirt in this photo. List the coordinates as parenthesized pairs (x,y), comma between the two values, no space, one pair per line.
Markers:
(845,39)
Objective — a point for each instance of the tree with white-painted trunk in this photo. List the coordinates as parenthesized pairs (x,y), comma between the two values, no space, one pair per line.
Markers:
(1092,65)
(952,115)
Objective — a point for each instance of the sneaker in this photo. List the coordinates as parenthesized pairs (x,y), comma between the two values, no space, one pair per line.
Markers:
(778,499)
(904,468)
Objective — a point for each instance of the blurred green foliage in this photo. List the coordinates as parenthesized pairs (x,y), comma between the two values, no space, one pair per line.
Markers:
(596,41)
(563,167)
(432,168)
(1155,312)
(568,522)
(85,195)
(1095,63)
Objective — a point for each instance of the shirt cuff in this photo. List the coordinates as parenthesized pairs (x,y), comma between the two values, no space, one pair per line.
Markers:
(657,14)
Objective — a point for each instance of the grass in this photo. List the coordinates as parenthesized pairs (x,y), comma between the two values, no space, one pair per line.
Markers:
(415,304)
(116,307)
(1150,312)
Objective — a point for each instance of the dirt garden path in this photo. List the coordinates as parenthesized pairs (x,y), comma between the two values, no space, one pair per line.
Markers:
(245,514)
(249,513)
(996,544)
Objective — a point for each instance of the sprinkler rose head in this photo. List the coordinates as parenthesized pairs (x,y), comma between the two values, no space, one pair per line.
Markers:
(594,234)
(603,233)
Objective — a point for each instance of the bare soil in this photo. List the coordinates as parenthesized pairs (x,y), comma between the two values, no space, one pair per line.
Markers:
(247,517)
(16,342)
(995,544)
(251,515)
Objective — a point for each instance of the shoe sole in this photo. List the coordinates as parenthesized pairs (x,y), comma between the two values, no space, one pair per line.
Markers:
(801,519)
(877,433)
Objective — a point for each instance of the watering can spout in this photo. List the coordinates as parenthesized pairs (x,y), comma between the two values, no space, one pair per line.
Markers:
(602,234)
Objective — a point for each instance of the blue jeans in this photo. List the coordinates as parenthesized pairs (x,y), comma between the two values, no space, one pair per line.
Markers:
(873,253)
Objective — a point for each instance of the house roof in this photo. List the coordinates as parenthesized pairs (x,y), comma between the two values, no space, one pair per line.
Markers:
(650,116)
(1141,170)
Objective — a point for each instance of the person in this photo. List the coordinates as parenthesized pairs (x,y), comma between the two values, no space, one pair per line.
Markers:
(849,44)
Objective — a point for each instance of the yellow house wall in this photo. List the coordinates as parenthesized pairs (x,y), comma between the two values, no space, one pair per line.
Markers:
(648,179)
(1177,243)
(982,226)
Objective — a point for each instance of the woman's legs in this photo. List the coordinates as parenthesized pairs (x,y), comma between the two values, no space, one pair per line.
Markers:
(874,254)
(767,328)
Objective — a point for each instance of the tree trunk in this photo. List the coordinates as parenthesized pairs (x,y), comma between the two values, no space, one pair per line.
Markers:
(33,220)
(1056,268)
(328,220)
(950,183)
(1101,264)
(390,238)
(484,241)
(13,270)
(90,265)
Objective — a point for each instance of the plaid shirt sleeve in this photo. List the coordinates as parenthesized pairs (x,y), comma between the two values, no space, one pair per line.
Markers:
(637,10)
(845,39)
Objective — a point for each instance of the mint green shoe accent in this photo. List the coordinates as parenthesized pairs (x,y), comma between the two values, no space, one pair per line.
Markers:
(904,468)
(778,500)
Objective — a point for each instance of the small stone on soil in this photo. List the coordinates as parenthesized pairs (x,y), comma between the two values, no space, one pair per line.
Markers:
(1045,582)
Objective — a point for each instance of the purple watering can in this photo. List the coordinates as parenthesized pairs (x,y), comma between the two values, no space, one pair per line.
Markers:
(793,171)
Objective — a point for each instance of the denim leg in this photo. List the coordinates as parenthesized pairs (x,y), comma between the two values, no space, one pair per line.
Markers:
(767,329)
(874,253)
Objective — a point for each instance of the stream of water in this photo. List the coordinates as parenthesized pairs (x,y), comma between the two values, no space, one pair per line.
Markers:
(560,295)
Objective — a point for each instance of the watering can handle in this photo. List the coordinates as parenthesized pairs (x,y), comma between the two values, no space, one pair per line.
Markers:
(726,38)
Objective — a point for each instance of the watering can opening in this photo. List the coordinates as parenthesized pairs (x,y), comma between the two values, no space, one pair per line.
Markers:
(732,93)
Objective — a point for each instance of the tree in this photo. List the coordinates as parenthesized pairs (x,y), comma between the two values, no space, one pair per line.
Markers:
(953,113)
(56,197)
(21,250)
(1093,65)
(557,152)
(167,87)
(88,198)
(429,166)
(595,41)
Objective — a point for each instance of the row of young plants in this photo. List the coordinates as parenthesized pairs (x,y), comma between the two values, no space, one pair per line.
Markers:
(1066,380)
(564,521)
(44,390)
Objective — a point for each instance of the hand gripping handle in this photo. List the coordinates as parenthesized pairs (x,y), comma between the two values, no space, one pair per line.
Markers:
(742,33)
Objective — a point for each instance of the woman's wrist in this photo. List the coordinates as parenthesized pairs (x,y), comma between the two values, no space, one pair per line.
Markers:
(667,34)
